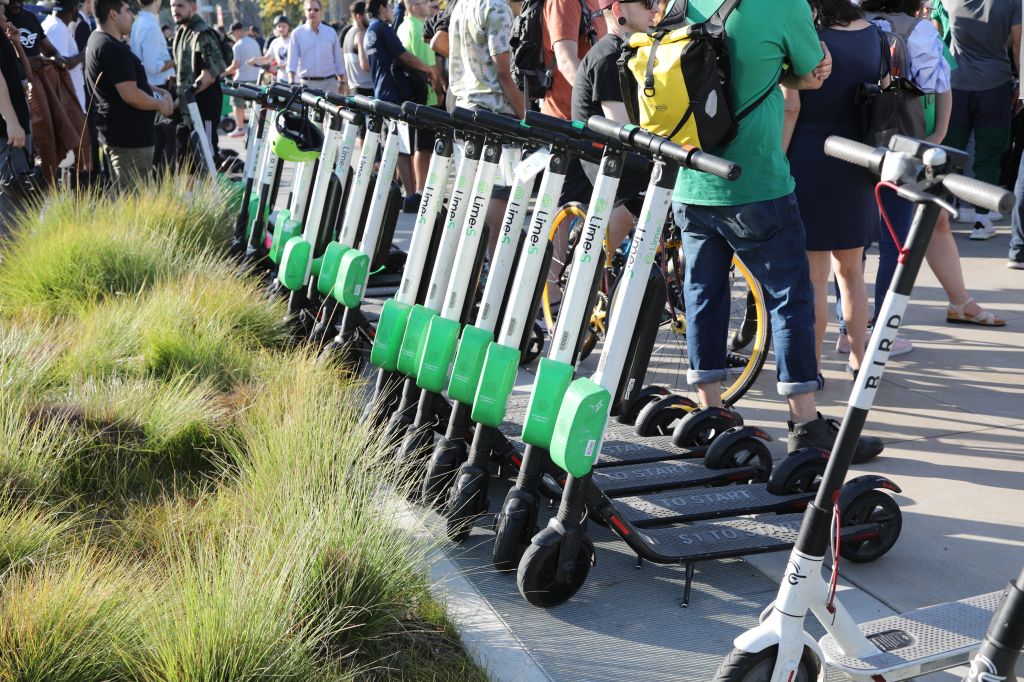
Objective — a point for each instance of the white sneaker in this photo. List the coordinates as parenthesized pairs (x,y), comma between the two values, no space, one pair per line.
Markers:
(1015,264)
(983,228)
(843,344)
(900,346)
(967,214)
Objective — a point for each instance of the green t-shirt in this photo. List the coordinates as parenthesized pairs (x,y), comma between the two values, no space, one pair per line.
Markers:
(410,32)
(762,35)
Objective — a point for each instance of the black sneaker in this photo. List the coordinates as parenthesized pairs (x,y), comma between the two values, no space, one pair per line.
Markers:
(821,433)
(411,203)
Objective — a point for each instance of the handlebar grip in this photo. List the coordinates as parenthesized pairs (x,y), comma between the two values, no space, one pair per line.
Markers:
(856,153)
(281,91)
(981,194)
(499,123)
(314,98)
(422,114)
(608,129)
(556,125)
(711,164)
(363,103)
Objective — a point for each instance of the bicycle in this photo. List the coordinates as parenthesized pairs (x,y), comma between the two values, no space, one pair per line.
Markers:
(749,325)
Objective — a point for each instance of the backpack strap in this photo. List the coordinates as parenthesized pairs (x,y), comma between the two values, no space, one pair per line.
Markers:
(761,98)
(627,92)
(885,67)
(716,22)
(587,22)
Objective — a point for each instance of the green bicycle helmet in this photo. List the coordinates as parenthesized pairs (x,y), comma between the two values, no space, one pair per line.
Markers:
(296,138)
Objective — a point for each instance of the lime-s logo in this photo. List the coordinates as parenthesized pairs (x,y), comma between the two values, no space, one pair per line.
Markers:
(600,205)
(546,201)
(481,187)
(432,178)
(520,193)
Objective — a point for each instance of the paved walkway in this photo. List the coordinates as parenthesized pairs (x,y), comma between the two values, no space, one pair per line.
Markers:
(952,416)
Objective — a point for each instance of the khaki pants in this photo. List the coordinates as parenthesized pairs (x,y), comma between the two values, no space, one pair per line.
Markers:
(128,165)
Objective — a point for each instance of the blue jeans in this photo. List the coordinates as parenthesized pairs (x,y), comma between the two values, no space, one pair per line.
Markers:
(1017,218)
(768,236)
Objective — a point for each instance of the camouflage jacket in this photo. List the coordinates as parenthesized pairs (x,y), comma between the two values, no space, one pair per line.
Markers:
(196,47)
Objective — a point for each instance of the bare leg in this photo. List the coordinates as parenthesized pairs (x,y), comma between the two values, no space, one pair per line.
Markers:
(495,215)
(405,174)
(240,117)
(821,268)
(850,276)
(420,162)
(620,225)
(944,260)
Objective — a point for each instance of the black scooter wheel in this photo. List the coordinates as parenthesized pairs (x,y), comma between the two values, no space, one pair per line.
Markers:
(464,506)
(513,527)
(538,569)
(646,396)
(743,666)
(535,345)
(448,456)
(804,478)
(746,452)
(872,508)
(659,418)
(701,427)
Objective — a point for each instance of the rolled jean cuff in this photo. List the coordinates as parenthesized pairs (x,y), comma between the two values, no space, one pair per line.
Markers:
(789,388)
(696,377)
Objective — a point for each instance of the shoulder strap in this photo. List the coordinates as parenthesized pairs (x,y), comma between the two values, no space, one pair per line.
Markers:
(761,98)
(587,23)
(717,20)
(885,66)
(627,92)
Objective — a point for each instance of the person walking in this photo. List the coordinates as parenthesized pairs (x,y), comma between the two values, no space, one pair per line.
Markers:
(314,57)
(757,217)
(124,102)
(387,56)
(836,200)
(199,61)
(410,32)
(245,49)
(57,27)
(983,90)
(357,66)
(275,58)
(15,127)
(148,44)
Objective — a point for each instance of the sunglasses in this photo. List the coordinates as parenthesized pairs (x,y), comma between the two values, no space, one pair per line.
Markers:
(648,4)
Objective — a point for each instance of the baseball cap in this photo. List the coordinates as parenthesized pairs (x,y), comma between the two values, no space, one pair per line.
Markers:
(281,19)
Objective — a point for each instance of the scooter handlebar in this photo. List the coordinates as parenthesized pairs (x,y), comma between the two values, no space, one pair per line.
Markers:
(647,142)
(981,194)
(381,108)
(856,153)
(245,91)
(573,129)
(424,116)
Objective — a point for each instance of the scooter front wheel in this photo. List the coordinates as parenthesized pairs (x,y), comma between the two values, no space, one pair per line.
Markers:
(871,508)
(744,666)
(537,577)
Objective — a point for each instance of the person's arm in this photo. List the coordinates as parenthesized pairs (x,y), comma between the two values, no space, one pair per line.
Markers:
(439,44)
(943,109)
(137,98)
(293,57)
(809,59)
(1015,37)
(339,64)
(567,59)
(813,79)
(790,114)
(15,133)
(49,50)
(616,111)
(503,69)
(233,67)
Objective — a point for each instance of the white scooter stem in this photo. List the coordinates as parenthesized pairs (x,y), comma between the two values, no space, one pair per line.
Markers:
(360,183)
(300,190)
(472,229)
(587,256)
(426,218)
(378,204)
(512,222)
(253,142)
(457,208)
(328,155)
(199,126)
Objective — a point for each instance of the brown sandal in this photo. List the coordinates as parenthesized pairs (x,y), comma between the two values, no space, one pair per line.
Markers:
(955,315)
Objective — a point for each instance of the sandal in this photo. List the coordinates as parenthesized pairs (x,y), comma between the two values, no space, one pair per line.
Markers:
(955,315)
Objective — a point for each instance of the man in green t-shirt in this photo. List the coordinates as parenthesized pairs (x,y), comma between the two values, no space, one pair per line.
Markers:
(410,32)
(756,217)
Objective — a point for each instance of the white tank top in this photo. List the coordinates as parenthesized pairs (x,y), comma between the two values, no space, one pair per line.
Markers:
(357,76)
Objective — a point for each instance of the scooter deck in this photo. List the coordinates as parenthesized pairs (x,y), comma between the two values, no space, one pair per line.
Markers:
(928,639)
(620,446)
(689,504)
(630,479)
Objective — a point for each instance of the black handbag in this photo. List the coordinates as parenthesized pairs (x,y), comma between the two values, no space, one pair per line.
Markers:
(895,109)
(24,184)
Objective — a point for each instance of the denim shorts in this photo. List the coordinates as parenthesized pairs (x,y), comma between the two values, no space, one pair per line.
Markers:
(768,236)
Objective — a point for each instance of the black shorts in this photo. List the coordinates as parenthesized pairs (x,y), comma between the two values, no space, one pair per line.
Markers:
(423,138)
(579,185)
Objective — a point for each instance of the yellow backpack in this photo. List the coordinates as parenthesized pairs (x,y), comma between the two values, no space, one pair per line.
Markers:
(682,75)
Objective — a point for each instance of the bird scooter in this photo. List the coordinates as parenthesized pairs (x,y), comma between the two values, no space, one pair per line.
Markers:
(903,646)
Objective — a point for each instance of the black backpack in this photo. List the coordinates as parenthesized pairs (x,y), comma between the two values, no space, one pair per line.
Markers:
(532,74)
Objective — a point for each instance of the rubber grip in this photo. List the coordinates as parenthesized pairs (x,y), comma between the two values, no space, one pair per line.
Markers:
(555,125)
(363,103)
(423,115)
(339,99)
(709,163)
(611,130)
(313,98)
(499,123)
(463,115)
(981,194)
(241,90)
(282,90)
(856,153)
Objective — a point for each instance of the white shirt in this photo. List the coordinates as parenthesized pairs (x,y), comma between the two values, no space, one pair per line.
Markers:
(278,51)
(929,69)
(148,44)
(315,54)
(63,40)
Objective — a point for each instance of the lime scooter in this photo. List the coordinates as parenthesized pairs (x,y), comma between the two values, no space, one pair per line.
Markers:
(254,148)
(188,93)
(301,257)
(514,306)
(904,646)
(401,349)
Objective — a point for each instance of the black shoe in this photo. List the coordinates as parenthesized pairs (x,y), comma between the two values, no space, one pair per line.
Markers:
(821,433)
(411,203)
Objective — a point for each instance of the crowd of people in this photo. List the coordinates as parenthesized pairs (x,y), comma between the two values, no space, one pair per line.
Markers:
(795,217)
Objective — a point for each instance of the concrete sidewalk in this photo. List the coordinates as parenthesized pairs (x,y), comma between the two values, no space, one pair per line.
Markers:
(952,416)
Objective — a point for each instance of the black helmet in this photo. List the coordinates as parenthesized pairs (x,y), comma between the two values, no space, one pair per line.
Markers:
(297,139)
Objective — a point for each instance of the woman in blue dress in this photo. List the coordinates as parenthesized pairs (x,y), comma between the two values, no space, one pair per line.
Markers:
(836,199)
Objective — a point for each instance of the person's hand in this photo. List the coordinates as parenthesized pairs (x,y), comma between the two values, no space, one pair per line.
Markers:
(824,68)
(165,105)
(436,80)
(60,62)
(204,81)
(15,134)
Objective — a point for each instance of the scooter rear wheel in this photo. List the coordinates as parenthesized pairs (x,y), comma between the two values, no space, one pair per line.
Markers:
(743,666)
(659,417)
(872,507)
(538,568)
(746,452)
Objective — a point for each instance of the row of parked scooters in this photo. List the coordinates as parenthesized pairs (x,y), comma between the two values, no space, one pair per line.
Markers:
(448,344)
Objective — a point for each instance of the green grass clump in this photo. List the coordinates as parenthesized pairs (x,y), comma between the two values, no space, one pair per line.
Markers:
(76,619)
(30,532)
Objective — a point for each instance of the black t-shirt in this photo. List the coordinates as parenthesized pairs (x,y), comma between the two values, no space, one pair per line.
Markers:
(597,79)
(31,31)
(109,61)
(82,33)
(10,69)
